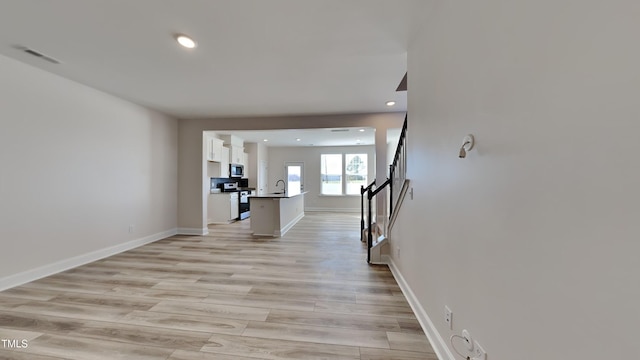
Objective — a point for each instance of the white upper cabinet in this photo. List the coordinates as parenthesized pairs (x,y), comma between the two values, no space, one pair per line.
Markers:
(236,148)
(237,155)
(224,163)
(214,149)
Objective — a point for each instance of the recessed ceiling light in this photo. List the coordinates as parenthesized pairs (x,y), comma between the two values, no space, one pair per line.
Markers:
(390,103)
(186,41)
(361,130)
(265,140)
(298,139)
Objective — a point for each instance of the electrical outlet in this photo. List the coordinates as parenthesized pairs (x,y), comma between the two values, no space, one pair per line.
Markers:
(398,252)
(131,229)
(448,317)
(478,352)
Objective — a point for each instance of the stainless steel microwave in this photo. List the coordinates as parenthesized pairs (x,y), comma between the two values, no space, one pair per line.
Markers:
(236,170)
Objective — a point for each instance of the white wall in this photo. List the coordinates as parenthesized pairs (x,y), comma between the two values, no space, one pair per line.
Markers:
(78,167)
(310,156)
(532,240)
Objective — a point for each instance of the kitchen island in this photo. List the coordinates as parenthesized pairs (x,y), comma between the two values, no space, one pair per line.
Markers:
(274,214)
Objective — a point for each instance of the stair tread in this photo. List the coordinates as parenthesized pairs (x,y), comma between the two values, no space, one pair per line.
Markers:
(380,239)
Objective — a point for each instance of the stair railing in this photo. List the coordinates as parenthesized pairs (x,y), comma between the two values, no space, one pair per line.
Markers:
(397,176)
(364,190)
(370,195)
(398,169)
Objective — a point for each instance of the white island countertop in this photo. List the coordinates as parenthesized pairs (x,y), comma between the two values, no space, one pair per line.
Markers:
(278,195)
(274,214)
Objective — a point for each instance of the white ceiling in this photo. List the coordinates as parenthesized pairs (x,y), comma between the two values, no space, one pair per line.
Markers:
(255,57)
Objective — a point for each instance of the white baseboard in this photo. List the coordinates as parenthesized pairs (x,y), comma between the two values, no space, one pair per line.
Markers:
(437,342)
(289,225)
(66,264)
(339,210)
(192,231)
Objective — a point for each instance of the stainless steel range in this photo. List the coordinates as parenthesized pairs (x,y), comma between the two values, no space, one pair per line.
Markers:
(229,187)
(244,204)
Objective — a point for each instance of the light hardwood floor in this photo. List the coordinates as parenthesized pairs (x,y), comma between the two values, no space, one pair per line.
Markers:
(228,295)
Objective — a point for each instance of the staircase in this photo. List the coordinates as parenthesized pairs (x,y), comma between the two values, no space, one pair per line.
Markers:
(378,225)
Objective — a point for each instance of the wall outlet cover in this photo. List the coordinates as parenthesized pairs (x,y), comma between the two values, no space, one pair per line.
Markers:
(467,339)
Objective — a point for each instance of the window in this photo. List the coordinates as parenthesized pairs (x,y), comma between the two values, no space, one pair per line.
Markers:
(356,172)
(332,172)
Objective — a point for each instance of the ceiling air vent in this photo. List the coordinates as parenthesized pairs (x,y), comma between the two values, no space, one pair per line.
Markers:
(339,130)
(39,54)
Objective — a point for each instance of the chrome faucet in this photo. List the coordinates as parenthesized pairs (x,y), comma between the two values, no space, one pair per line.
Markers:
(283,185)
